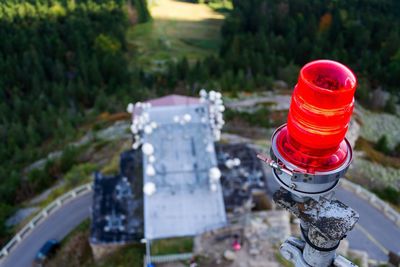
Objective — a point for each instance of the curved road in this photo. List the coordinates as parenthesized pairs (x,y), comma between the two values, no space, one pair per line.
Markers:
(57,225)
(374,233)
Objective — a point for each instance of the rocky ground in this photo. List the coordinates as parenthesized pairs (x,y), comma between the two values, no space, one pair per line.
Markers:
(259,233)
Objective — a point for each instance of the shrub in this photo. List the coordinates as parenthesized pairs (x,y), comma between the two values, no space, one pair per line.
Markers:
(389,194)
(382,145)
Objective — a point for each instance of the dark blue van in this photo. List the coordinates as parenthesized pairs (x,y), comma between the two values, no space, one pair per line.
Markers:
(46,251)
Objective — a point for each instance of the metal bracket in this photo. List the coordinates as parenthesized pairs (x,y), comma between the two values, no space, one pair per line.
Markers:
(292,250)
(343,262)
(279,166)
(300,181)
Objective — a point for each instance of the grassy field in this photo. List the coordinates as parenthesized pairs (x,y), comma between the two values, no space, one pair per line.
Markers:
(172,246)
(178,29)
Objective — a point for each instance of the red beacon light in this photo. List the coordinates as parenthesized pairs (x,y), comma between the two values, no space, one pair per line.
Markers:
(312,145)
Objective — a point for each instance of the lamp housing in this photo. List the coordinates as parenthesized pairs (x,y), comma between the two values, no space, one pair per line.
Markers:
(312,145)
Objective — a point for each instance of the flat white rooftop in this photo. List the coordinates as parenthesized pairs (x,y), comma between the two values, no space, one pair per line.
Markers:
(183,203)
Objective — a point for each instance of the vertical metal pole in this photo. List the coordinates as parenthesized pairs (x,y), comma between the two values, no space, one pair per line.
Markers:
(313,256)
(148,252)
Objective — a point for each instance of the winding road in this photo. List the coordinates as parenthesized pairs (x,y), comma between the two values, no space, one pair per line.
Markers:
(374,233)
(57,225)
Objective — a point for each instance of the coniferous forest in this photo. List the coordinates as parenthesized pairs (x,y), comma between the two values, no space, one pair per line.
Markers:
(274,38)
(64,61)
(263,40)
(270,37)
(59,61)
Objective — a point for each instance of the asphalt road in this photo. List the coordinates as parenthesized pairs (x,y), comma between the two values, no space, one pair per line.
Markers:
(57,225)
(374,233)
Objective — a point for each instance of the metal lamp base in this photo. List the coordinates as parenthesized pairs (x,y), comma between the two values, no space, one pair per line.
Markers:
(299,181)
(292,250)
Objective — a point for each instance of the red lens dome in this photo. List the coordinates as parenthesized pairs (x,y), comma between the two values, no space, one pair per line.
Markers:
(319,116)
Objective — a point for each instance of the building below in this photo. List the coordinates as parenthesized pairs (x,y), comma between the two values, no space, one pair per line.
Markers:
(184,196)
(117,211)
(242,174)
(177,180)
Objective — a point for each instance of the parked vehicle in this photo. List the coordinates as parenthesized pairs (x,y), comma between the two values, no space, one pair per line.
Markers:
(46,251)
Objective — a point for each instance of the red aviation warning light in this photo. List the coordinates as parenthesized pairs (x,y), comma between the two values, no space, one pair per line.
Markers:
(309,155)
(319,115)
(310,151)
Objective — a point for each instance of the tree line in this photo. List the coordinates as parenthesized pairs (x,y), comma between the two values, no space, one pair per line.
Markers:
(61,61)
(264,40)
(267,36)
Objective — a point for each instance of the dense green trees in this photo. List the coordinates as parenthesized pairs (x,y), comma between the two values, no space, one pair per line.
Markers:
(59,61)
(264,39)
(142,11)
(265,36)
